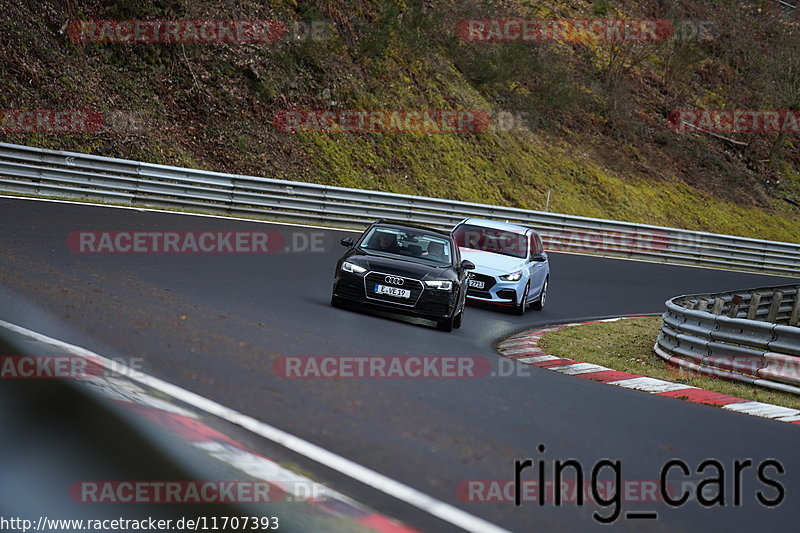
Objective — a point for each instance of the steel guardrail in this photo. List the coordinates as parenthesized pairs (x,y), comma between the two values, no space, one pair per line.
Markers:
(750,336)
(35,171)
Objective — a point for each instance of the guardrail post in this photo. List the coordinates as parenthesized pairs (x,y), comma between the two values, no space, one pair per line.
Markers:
(735,303)
(777,298)
(136,184)
(757,352)
(755,301)
(232,197)
(702,305)
(794,318)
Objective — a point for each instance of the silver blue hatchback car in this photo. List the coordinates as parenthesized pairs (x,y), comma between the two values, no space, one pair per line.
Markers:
(511,266)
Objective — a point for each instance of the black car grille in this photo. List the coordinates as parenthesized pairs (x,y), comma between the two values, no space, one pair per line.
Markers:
(436,304)
(488,283)
(380,278)
(349,290)
(478,294)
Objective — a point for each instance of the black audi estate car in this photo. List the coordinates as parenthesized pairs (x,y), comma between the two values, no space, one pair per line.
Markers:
(406,269)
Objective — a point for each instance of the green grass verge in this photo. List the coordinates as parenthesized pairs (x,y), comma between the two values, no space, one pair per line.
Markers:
(627,346)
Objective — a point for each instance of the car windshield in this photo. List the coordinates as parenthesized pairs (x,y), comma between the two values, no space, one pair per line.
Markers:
(408,244)
(492,240)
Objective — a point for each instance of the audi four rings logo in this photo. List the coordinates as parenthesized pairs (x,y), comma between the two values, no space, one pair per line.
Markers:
(394,280)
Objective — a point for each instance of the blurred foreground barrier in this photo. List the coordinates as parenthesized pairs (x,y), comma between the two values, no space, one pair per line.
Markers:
(35,171)
(750,336)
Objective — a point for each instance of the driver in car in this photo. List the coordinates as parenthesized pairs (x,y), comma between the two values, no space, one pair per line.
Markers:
(387,243)
(435,251)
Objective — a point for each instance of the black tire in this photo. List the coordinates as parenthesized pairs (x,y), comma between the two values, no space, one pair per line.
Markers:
(458,319)
(523,304)
(446,325)
(538,305)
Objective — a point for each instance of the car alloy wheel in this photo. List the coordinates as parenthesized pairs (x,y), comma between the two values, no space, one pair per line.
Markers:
(523,305)
(539,304)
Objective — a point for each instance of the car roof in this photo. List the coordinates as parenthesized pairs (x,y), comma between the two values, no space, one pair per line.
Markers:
(494,224)
(412,227)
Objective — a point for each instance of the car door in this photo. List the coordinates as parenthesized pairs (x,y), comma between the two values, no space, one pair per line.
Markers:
(538,269)
(463,275)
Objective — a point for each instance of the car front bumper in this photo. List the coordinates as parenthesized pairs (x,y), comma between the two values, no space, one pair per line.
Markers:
(432,304)
(496,291)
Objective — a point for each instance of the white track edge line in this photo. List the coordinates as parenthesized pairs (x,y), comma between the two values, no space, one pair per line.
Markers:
(351,469)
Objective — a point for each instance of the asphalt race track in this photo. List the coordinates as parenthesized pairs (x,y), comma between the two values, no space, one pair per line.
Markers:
(214,324)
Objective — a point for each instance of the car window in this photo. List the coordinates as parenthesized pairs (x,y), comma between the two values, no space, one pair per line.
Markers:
(492,240)
(537,247)
(408,244)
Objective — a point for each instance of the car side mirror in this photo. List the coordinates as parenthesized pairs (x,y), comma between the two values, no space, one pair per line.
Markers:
(539,258)
(467,265)
(348,241)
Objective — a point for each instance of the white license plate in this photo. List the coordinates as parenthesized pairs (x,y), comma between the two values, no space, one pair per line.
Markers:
(476,284)
(392,291)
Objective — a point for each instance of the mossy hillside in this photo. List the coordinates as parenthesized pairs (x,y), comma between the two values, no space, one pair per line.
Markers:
(594,130)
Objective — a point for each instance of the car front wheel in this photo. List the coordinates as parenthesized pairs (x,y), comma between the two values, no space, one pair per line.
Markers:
(523,304)
(539,304)
(336,301)
(447,324)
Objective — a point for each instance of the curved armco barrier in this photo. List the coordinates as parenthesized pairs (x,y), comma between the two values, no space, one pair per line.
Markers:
(35,171)
(750,336)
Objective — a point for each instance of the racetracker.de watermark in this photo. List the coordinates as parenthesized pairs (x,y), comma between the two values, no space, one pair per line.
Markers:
(776,367)
(382,121)
(381,367)
(734,121)
(165,242)
(606,241)
(582,30)
(196,31)
(67,367)
(175,492)
(50,121)
(398,367)
(569,491)
(72,121)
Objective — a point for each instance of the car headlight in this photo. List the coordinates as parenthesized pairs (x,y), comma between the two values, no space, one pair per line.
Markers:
(512,277)
(355,269)
(440,284)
